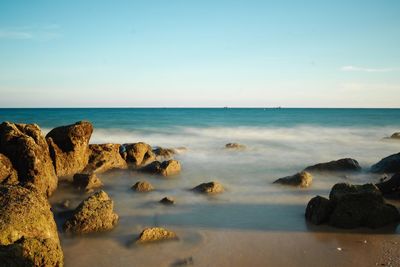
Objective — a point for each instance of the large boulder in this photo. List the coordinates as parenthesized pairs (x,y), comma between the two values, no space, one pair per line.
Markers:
(8,175)
(154,234)
(209,188)
(105,157)
(351,206)
(28,232)
(339,165)
(302,179)
(137,154)
(95,214)
(69,147)
(27,149)
(165,168)
(389,164)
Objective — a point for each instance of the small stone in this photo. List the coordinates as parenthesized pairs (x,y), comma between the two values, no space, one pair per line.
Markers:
(209,188)
(66,204)
(142,186)
(154,234)
(167,201)
(236,146)
(339,249)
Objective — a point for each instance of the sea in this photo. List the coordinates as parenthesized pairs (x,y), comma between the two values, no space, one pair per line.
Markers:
(279,142)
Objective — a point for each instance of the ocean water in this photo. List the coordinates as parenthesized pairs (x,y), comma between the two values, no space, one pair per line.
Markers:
(279,142)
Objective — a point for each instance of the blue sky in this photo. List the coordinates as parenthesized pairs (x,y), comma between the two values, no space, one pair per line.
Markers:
(200,53)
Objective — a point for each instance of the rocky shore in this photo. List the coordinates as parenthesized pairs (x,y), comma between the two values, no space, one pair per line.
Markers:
(32,165)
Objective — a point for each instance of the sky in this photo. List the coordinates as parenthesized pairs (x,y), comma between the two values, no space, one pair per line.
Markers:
(187,53)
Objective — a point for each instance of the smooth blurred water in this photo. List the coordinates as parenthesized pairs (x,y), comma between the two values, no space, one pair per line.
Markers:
(279,142)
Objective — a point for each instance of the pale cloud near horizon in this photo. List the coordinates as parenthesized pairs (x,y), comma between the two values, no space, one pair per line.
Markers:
(363,69)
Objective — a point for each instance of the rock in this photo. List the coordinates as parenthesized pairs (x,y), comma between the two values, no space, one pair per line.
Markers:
(318,210)
(95,214)
(164,153)
(390,186)
(390,164)
(351,206)
(8,175)
(105,157)
(27,149)
(28,232)
(236,146)
(69,147)
(346,164)
(395,135)
(209,188)
(301,179)
(166,168)
(86,181)
(138,154)
(155,234)
(167,201)
(142,186)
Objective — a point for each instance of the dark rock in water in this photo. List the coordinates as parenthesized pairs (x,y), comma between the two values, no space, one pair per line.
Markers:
(390,186)
(69,147)
(8,175)
(95,214)
(27,149)
(166,168)
(105,157)
(351,206)
(87,181)
(395,135)
(155,234)
(236,146)
(164,153)
(209,188)
(318,210)
(183,262)
(390,164)
(167,201)
(142,186)
(138,154)
(28,232)
(301,179)
(346,164)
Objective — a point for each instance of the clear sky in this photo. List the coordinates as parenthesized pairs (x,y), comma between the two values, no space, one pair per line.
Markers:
(171,53)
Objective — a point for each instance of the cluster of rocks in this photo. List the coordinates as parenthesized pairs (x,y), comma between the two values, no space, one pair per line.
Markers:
(304,178)
(351,206)
(31,166)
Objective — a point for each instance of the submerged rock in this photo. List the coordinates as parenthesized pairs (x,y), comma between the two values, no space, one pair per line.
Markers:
(164,153)
(236,146)
(391,186)
(166,168)
(28,232)
(167,201)
(301,179)
(105,157)
(351,206)
(155,234)
(390,164)
(346,164)
(395,135)
(209,188)
(94,214)
(142,186)
(25,146)
(69,147)
(87,181)
(8,175)
(138,154)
